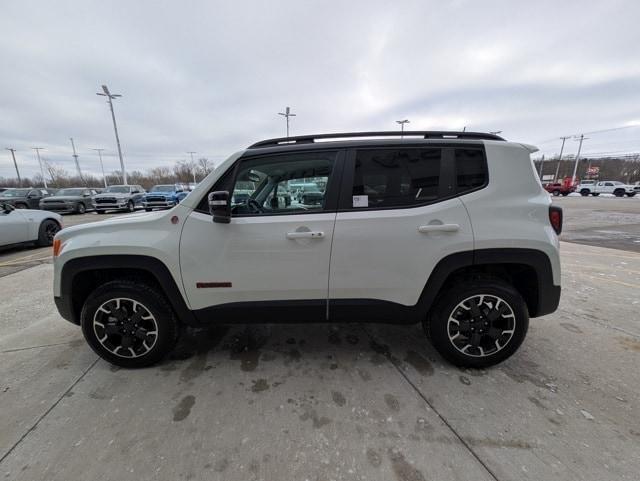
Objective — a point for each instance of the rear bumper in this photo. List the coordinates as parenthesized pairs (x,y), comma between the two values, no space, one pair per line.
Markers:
(548,299)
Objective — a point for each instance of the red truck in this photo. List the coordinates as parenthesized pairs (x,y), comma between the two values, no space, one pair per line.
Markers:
(561,188)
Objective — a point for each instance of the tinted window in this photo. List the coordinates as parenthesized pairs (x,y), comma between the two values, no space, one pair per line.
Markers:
(269,185)
(394,178)
(470,169)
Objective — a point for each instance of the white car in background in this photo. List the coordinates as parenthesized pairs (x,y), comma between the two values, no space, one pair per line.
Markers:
(20,226)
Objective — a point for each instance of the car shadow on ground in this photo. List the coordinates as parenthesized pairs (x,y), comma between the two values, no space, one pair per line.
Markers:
(329,346)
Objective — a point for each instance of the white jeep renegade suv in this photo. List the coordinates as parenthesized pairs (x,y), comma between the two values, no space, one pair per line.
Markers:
(453,230)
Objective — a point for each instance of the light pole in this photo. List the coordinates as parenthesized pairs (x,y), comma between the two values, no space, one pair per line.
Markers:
(193,166)
(287,113)
(75,157)
(555,178)
(13,154)
(402,122)
(104,177)
(575,167)
(38,149)
(110,97)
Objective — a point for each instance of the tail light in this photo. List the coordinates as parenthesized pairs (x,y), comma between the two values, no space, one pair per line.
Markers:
(555,218)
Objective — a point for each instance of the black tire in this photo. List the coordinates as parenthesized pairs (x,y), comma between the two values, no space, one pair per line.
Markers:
(618,193)
(564,194)
(152,301)
(438,330)
(631,194)
(596,194)
(100,212)
(131,206)
(81,208)
(48,229)
(584,192)
(556,193)
(21,205)
(148,210)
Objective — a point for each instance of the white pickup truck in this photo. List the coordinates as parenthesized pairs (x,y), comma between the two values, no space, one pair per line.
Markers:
(614,187)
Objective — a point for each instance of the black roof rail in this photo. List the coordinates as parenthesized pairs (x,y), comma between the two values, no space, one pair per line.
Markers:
(425,134)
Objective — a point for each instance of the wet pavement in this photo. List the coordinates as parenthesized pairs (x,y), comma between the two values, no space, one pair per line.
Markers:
(330,402)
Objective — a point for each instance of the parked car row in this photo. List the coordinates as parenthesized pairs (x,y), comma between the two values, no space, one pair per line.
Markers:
(79,200)
(592,187)
(595,188)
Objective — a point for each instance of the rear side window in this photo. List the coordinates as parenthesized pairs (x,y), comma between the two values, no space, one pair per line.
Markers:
(471,172)
(396,177)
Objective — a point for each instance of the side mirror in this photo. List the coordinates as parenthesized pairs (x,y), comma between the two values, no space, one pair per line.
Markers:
(220,207)
(6,208)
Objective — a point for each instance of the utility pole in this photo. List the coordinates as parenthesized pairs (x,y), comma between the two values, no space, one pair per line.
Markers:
(13,154)
(575,167)
(75,157)
(193,166)
(402,122)
(38,149)
(104,177)
(110,97)
(555,178)
(287,113)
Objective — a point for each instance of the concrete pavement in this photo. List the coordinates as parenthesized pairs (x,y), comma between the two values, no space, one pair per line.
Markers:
(323,402)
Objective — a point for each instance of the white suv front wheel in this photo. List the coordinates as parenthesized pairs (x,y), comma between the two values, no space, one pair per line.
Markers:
(478,323)
(129,324)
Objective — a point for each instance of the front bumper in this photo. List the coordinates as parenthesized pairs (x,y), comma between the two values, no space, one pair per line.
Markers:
(165,204)
(117,206)
(63,304)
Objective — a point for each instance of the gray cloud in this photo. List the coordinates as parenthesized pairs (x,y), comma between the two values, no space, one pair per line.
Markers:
(211,76)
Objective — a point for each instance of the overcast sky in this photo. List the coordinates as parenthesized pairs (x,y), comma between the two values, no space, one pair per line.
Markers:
(211,76)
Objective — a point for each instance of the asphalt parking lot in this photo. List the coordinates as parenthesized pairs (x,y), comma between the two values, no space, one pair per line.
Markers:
(336,402)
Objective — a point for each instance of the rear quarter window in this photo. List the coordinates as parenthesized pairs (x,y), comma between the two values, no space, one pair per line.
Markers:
(471,169)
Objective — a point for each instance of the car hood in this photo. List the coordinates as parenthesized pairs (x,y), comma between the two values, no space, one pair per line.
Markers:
(63,197)
(117,195)
(110,224)
(34,215)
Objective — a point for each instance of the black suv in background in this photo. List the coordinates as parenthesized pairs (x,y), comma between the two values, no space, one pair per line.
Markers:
(27,198)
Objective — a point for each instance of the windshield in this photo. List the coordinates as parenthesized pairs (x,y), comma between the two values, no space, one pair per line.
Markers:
(162,188)
(14,193)
(121,189)
(70,192)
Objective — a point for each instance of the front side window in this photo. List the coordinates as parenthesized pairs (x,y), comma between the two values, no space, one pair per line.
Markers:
(396,177)
(283,184)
